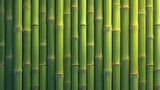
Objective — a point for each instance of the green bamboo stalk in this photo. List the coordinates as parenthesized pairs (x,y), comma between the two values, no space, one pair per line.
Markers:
(67,45)
(17,44)
(98,44)
(26,44)
(43,46)
(59,45)
(116,44)
(156,44)
(125,44)
(142,44)
(90,45)
(8,49)
(149,43)
(133,44)
(35,44)
(82,44)
(2,44)
(107,45)
(51,45)
(74,18)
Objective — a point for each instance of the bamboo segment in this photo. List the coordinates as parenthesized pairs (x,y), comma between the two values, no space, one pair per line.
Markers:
(107,45)
(2,45)
(17,44)
(149,43)
(82,44)
(124,44)
(43,45)
(59,45)
(67,45)
(98,44)
(156,44)
(35,44)
(133,44)
(74,18)
(26,44)
(116,44)
(90,45)
(142,44)
(51,45)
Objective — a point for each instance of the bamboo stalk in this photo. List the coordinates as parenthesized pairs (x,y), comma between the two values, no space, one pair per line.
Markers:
(59,45)
(51,45)
(67,45)
(82,44)
(142,44)
(98,44)
(90,45)
(26,44)
(17,44)
(116,45)
(133,44)
(107,45)
(156,44)
(43,51)
(8,49)
(125,44)
(149,43)
(35,44)
(74,18)
(2,45)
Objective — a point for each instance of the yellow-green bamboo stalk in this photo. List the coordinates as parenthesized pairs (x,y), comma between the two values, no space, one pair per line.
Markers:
(26,44)
(142,44)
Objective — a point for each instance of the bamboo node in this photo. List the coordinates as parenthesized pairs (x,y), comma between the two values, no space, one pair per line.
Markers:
(99,57)
(1,12)
(116,30)
(82,69)
(9,19)
(26,30)
(35,25)
(116,5)
(75,65)
(9,57)
(67,83)
(2,44)
(17,28)
(90,12)
(51,58)
(125,59)
(141,56)
(156,24)
(67,57)
(156,69)
(74,7)
(125,7)
(17,70)
(35,85)
(134,74)
(60,74)
(141,13)
(43,12)
(150,64)
(151,37)
(90,64)
(51,19)
(76,37)
(27,5)
(43,44)
(35,69)
(156,85)
(42,64)
(59,26)
(67,13)
(82,25)
(149,7)
(27,64)
(90,44)
(107,27)
(2,64)
(107,70)
(116,64)
(142,83)
(82,85)
(99,19)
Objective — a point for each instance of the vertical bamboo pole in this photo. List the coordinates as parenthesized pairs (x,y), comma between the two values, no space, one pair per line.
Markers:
(74,18)
(125,44)
(149,43)
(90,45)
(8,49)
(35,44)
(133,44)
(2,45)
(67,44)
(26,44)
(43,44)
(142,44)
(116,45)
(51,45)
(59,45)
(17,44)
(156,44)
(107,44)
(98,44)
(82,44)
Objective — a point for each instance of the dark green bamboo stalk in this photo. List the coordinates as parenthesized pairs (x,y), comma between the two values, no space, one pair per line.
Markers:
(133,44)
(90,45)
(26,44)
(17,44)
(8,42)
(98,44)
(125,44)
(43,46)
(142,44)
(59,45)
(2,44)
(74,18)
(35,44)
(107,45)
(51,45)
(116,45)
(156,18)
(149,43)
(82,44)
